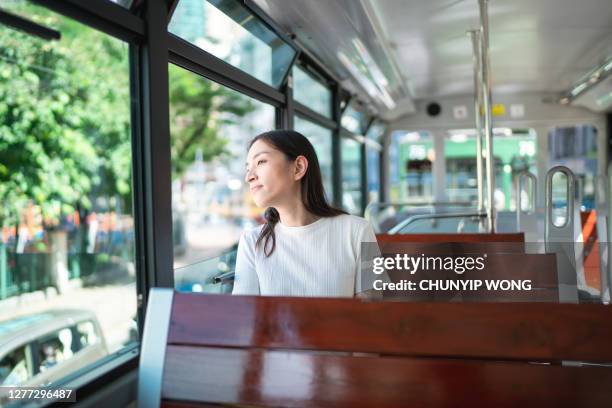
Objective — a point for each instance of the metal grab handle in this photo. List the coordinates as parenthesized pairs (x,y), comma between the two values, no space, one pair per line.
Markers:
(374,206)
(410,220)
(372,210)
(522,176)
(224,277)
(570,194)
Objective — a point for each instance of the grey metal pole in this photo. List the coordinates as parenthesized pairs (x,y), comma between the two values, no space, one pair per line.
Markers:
(475,37)
(488,127)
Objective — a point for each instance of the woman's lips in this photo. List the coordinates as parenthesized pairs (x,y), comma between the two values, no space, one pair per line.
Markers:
(255,188)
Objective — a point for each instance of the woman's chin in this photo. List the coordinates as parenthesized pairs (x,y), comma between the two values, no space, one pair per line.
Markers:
(260,203)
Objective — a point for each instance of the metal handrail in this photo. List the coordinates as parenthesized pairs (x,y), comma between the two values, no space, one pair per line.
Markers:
(521,178)
(372,210)
(425,204)
(410,220)
(488,122)
(224,277)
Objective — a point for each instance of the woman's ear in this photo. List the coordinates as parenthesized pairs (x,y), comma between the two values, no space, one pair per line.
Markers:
(301,165)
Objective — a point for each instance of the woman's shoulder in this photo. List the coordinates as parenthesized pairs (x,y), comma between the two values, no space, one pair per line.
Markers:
(352,221)
(251,234)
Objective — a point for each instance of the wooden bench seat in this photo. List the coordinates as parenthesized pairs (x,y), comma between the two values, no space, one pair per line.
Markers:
(200,350)
(452,237)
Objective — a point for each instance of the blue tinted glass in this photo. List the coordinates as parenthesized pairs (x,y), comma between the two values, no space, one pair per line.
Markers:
(229,31)
(310,92)
(351,176)
(352,120)
(321,139)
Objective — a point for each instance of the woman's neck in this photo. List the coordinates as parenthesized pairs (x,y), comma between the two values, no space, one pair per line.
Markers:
(295,214)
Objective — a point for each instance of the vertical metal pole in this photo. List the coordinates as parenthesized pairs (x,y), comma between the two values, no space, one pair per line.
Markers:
(486,91)
(475,37)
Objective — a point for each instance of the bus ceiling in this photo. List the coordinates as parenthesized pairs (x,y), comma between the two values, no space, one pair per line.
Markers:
(393,53)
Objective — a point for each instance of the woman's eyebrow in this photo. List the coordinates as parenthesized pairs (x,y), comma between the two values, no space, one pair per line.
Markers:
(247,163)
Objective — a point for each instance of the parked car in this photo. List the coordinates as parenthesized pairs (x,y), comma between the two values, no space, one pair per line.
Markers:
(41,348)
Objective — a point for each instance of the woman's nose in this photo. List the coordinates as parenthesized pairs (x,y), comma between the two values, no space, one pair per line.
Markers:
(250,176)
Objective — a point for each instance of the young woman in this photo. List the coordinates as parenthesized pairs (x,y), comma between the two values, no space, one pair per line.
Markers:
(306,247)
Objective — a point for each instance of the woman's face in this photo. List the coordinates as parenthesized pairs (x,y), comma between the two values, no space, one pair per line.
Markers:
(271,177)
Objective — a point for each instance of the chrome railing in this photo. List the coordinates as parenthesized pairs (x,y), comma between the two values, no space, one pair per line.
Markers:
(374,210)
(419,217)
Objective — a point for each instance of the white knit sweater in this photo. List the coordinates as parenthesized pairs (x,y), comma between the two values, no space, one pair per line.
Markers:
(319,259)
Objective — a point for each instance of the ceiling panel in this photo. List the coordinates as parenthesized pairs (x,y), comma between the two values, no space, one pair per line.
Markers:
(535,45)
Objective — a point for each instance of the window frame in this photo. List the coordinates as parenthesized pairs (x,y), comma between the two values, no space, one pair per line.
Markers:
(151,49)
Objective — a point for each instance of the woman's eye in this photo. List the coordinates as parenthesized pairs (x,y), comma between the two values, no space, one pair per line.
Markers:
(260,161)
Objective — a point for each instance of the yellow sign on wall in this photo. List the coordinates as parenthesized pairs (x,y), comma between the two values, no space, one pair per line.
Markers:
(498,109)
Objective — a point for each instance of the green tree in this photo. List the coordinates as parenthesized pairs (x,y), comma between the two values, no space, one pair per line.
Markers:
(65,117)
(199,109)
(44,154)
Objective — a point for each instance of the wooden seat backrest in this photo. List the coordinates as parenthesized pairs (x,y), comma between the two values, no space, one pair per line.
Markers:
(442,238)
(275,351)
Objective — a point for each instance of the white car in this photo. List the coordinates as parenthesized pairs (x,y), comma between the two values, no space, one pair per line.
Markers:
(41,348)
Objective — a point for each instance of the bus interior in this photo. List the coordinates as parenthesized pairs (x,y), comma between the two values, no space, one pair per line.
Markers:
(454,127)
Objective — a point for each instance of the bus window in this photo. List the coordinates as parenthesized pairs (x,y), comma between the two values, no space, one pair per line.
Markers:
(353,119)
(321,139)
(310,92)
(210,127)
(411,159)
(576,148)
(225,29)
(373,151)
(67,244)
(351,176)
(514,151)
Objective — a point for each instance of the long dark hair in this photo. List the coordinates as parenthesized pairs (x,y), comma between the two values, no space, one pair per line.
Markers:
(293,144)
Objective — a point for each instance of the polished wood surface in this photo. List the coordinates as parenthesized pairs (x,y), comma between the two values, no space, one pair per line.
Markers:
(299,379)
(537,331)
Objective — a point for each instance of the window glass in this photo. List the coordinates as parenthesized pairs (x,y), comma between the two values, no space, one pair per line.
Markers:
(373,151)
(411,157)
(351,176)
(227,30)
(67,230)
(559,199)
(310,92)
(54,349)
(576,148)
(515,151)
(352,119)
(210,127)
(86,335)
(376,131)
(321,139)
(16,367)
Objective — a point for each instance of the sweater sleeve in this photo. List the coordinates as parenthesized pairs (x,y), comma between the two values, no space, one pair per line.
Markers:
(245,277)
(367,249)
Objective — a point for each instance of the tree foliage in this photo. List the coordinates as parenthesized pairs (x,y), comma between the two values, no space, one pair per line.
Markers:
(65,136)
(199,109)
